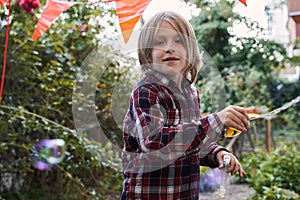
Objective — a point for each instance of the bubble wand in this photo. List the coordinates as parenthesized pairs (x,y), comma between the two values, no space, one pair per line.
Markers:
(233,132)
(226,161)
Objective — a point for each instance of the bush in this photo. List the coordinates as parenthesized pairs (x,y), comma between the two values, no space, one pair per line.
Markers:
(276,193)
(274,175)
(282,92)
(37,104)
(81,175)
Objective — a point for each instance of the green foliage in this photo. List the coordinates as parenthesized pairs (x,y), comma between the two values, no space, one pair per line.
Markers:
(276,193)
(211,28)
(37,104)
(39,82)
(204,169)
(250,68)
(274,175)
(80,172)
(280,93)
(247,65)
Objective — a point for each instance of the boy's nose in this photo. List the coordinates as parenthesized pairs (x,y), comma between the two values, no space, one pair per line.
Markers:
(169,47)
(169,50)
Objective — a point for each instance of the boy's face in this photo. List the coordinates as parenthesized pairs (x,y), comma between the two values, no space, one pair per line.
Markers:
(168,53)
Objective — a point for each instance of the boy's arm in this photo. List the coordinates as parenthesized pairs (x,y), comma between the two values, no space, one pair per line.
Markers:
(210,159)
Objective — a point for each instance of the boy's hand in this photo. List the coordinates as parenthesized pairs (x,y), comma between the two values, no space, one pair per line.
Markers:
(234,165)
(235,117)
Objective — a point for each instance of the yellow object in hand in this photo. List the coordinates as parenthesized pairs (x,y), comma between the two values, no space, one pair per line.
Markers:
(232,132)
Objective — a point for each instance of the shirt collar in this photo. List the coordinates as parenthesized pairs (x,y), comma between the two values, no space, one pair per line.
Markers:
(162,78)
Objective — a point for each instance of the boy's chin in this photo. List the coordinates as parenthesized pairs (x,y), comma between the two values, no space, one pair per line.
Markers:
(167,69)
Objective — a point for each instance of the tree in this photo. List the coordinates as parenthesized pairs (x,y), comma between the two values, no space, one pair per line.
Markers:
(247,64)
(37,104)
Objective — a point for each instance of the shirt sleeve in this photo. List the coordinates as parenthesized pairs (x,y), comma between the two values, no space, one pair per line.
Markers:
(210,159)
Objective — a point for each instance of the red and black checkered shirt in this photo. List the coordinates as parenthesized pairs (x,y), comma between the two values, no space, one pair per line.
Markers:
(166,140)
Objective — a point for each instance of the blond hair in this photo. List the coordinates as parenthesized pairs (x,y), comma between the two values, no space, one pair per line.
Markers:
(180,24)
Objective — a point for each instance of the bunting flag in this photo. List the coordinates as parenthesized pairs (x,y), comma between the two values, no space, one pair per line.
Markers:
(129,13)
(3,2)
(243,2)
(52,10)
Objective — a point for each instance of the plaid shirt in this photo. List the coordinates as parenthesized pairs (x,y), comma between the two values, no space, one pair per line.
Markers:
(166,140)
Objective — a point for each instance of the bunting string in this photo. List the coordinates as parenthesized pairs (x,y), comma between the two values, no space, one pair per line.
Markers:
(5,51)
(128,11)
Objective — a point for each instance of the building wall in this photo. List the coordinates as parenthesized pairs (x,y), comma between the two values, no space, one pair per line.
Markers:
(294,5)
(294,15)
(292,73)
(280,18)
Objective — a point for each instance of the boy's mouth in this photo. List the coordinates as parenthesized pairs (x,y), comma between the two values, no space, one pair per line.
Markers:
(170,59)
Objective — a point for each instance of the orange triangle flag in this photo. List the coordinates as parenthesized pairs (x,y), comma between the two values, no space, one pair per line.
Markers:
(3,2)
(243,2)
(129,13)
(52,10)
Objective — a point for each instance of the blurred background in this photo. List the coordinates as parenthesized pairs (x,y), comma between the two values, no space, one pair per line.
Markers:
(256,50)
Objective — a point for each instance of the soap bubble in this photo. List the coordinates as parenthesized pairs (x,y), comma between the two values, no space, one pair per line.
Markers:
(48,152)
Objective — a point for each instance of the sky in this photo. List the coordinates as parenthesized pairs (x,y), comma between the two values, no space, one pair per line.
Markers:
(254,10)
(164,5)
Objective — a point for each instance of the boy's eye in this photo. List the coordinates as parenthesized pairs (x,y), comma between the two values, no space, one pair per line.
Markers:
(158,42)
(179,41)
